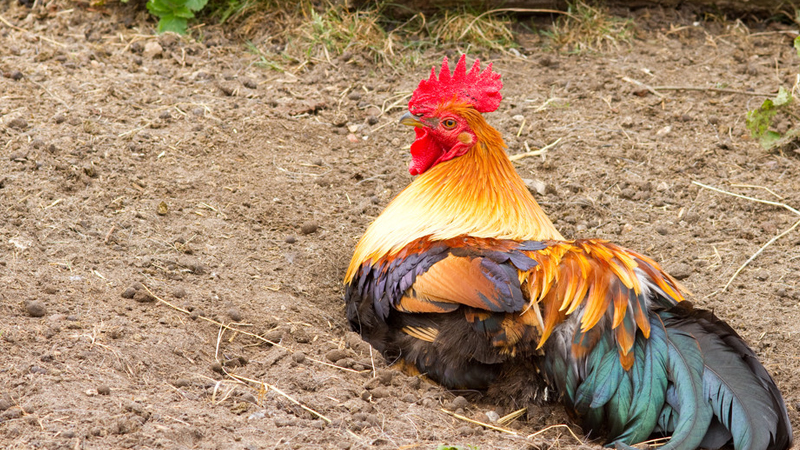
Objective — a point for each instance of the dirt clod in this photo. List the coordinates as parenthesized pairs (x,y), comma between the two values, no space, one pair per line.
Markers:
(18,123)
(103,389)
(35,308)
(143,297)
(309,227)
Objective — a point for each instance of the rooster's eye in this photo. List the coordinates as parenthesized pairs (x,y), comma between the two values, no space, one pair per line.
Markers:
(449,123)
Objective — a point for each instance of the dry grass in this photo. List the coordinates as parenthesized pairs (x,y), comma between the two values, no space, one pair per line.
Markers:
(285,34)
(589,28)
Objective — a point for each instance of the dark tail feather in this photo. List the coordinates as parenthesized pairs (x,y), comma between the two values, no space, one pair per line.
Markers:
(742,394)
(694,379)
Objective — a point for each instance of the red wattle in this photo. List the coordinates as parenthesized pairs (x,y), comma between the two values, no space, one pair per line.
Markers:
(424,152)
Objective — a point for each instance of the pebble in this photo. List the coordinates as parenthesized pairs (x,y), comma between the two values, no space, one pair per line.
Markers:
(15,75)
(179,292)
(381,392)
(143,297)
(298,357)
(385,376)
(152,49)
(181,382)
(235,314)
(680,271)
(103,389)
(492,416)
(18,123)
(59,118)
(290,239)
(336,355)
(129,292)
(459,402)
(309,227)
(35,308)
(285,422)
(662,230)
(466,430)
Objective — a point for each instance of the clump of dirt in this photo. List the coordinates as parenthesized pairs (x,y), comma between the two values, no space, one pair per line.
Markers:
(176,222)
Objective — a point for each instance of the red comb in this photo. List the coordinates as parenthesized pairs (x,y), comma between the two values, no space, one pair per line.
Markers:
(479,89)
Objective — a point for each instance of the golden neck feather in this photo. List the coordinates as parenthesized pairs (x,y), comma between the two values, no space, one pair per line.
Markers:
(478,194)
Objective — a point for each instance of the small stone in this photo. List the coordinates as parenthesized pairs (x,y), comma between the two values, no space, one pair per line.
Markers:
(355,95)
(662,230)
(162,209)
(152,49)
(492,416)
(234,314)
(459,402)
(409,398)
(35,308)
(59,118)
(298,357)
(385,376)
(290,239)
(129,292)
(381,392)
(372,120)
(537,186)
(466,430)
(179,292)
(680,271)
(143,297)
(217,367)
(69,434)
(309,227)
(249,83)
(336,355)
(15,75)
(103,389)
(285,422)
(181,382)
(18,123)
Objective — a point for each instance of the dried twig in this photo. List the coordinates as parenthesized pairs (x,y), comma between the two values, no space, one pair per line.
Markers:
(767,202)
(647,87)
(3,19)
(560,425)
(483,424)
(536,152)
(267,386)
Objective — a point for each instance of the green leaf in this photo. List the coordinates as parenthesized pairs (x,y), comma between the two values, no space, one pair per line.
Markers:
(172,23)
(784,97)
(758,120)
(196,5)
(797,41)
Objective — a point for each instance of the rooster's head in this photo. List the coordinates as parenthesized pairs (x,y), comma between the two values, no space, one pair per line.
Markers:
(444,111)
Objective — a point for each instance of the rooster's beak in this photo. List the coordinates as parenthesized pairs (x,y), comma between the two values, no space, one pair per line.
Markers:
(411,120)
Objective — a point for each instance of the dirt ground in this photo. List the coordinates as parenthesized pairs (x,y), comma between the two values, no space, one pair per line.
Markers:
(235,194)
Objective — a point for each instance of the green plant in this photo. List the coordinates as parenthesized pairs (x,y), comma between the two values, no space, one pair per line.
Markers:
(174,15)
(760,121)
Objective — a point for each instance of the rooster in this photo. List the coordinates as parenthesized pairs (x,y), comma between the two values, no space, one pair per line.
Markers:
(463,278)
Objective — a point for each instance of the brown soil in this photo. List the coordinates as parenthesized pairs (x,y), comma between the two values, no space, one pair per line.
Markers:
(237,193)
